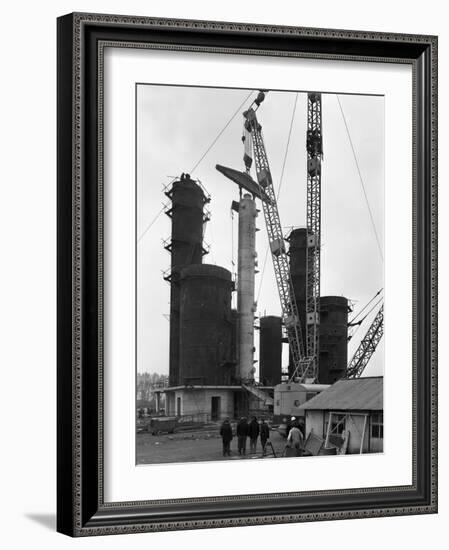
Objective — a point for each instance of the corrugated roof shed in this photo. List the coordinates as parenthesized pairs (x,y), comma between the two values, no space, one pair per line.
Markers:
(350,395)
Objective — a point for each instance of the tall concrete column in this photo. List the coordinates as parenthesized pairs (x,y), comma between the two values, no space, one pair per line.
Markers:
(245,291)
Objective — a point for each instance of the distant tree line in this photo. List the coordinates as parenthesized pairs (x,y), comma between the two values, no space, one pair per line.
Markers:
(147,382)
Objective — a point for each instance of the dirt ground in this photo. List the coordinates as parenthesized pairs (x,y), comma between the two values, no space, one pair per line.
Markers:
(197,446)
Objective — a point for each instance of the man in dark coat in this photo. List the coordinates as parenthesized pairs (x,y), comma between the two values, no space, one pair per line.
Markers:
(242,434)
(226,436)
(253,432)
(264,435)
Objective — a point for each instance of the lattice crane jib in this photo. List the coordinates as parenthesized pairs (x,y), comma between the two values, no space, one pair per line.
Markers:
(367,346)
(314,159)
(278,250)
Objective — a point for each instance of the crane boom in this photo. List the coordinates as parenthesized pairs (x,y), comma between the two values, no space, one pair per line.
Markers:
(367,346)
(313,277)
(276,240)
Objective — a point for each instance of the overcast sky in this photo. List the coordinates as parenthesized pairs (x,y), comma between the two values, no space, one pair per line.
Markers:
(176,125)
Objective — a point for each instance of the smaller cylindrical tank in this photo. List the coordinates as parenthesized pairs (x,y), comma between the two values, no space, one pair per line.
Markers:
(333,356)
(205,343)
(298,271)
(270,350)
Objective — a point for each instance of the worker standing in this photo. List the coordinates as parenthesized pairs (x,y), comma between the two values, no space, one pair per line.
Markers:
(253,434)
(226,436)
(264,436)
(295,439)
(242,434)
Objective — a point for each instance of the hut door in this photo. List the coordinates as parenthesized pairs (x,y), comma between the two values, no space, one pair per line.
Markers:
(215,408)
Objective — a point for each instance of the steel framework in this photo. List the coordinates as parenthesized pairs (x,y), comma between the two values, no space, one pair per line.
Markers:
(276,240)
(367,346)
(313,277)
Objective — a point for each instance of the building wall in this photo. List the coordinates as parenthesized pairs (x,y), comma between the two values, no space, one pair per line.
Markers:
(169,403)
(316,421)
(199,402)
(376,445)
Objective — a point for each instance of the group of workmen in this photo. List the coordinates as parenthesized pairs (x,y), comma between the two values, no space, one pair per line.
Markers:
(253,430)
(243,431)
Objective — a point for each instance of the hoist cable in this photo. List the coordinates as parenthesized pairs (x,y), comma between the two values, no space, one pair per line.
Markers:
(220,133)
(361,180)
(359,323)
(153,221)
(372,309)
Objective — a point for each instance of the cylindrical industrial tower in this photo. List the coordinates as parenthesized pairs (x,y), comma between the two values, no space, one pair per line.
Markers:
(298,271)
(205,344)
(333,357)
(186,248)
(245,286)
(270,350)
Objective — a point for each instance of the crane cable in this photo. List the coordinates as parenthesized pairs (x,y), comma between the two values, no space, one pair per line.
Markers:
(278,192)
(220,133)
(359,323)
(153,221)
(372,309)
(366,305)
(361,179)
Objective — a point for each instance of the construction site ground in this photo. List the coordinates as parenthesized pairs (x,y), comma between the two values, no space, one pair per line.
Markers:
(197,445)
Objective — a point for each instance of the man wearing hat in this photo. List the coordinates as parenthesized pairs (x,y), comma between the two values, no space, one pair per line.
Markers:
(295,438)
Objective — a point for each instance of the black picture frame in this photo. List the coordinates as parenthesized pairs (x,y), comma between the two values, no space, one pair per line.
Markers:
(81,509)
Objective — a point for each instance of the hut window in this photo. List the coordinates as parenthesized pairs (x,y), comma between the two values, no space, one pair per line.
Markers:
(377,425)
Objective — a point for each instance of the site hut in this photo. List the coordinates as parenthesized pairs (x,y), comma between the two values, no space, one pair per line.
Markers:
(349,413)
(211,345)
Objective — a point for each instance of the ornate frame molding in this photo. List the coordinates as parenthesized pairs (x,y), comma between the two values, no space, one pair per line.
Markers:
(81,509)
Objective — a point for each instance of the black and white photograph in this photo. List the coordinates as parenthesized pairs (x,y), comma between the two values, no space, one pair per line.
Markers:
(221,266)
(259,246)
